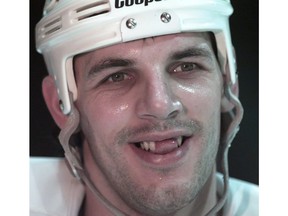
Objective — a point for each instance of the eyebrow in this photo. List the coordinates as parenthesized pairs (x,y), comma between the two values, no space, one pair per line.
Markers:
(119,62)
(192,52)
(110,63)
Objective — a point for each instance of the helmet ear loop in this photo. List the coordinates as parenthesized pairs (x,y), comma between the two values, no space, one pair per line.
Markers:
(235,115)
(72,153)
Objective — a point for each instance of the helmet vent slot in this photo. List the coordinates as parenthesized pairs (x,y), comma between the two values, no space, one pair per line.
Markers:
(52,26)
(92,10)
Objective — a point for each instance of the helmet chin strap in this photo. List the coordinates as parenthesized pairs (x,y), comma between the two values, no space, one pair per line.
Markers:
(225,144)
(73,157)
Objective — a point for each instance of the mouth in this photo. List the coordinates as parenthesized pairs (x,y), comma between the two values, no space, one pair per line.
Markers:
(162,147)
(162,153)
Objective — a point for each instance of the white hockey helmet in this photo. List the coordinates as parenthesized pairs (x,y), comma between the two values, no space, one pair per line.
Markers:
(71,27)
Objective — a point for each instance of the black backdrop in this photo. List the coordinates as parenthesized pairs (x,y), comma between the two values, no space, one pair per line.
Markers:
(243,156)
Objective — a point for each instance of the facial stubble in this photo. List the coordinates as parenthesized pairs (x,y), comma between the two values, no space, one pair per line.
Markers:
(152,198)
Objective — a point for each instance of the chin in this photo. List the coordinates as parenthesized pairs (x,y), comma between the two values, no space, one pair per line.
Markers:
(166,198)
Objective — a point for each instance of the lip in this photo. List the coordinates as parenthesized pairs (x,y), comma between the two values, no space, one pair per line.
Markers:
(160,136)
(163,161)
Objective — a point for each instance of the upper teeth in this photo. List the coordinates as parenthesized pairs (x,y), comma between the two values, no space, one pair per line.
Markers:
(148,146)
(151,146)
(179,141)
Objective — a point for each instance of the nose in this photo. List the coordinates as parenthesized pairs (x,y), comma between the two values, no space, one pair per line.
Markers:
(158,100)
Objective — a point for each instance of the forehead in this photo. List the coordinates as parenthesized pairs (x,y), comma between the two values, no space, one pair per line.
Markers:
(162,45)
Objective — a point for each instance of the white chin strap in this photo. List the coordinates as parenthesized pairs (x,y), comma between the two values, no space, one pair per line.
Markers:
(225,145)
(73,157)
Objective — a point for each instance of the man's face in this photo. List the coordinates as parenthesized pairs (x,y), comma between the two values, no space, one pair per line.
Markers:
(150,114)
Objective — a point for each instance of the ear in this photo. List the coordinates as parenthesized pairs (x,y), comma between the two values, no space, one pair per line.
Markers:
(50,94)
(226,105)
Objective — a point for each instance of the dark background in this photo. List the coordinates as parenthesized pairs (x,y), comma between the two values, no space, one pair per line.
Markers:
(243,156)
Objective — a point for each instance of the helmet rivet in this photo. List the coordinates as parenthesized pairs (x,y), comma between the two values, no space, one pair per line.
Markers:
(165,17)
(131,23)
(61,105)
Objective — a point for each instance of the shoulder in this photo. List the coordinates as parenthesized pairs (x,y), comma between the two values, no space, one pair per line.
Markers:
(53,190)
(242,199)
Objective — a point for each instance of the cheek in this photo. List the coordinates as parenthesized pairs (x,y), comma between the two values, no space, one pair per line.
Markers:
(201,101)
(102,115)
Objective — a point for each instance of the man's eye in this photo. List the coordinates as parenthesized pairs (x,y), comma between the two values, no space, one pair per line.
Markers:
(185,67)
(117,77)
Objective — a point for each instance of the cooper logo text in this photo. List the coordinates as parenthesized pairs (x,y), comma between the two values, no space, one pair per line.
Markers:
(127,3)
